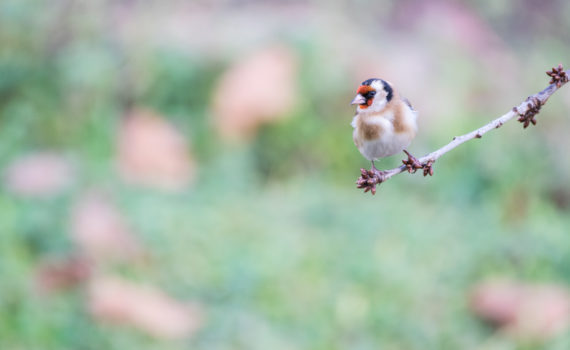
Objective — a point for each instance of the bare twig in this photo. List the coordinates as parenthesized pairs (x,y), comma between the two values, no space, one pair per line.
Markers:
(526,112)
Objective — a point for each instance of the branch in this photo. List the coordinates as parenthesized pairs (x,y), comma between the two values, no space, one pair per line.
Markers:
(526,111)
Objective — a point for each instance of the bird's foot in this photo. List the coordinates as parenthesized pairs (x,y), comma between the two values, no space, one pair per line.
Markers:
(412,164)
(370,178)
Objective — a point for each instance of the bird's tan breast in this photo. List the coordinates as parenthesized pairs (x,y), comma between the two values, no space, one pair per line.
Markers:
(368,131)
(396,119)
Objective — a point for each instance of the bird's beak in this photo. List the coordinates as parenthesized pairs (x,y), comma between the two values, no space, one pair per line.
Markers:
(358,100)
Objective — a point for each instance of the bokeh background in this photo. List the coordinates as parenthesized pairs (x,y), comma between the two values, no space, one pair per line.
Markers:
(180,175)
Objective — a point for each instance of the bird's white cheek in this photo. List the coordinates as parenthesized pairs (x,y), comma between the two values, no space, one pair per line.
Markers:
(377,106)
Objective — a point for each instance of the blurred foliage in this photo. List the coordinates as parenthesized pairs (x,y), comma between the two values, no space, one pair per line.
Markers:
(273,239)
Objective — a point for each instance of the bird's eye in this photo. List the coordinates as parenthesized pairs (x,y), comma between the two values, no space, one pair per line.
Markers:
(371,94)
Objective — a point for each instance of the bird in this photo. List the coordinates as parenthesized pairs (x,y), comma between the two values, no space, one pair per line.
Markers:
(385,123)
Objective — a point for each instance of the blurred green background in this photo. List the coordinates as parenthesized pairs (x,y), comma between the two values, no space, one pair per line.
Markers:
(180,174)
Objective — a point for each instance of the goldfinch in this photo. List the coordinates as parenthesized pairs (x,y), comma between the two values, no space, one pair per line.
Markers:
(385,123)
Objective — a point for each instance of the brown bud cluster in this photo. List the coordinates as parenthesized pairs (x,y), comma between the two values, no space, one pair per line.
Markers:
(368,180)
(533,108)
(557,76)
(412,163)
(428,169)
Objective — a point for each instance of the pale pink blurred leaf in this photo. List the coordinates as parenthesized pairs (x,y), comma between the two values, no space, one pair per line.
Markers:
(146,308)
(153,152)
(39,174)
(100,231)
(257,90)
(538,311)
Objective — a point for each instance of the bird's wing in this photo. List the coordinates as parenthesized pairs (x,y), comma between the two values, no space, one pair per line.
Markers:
(406,101)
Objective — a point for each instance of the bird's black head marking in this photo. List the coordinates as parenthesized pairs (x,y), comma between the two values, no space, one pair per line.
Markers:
(387,87)
(389,91)
(369,81)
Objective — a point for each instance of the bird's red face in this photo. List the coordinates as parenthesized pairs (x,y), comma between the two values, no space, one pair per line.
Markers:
(364,97)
